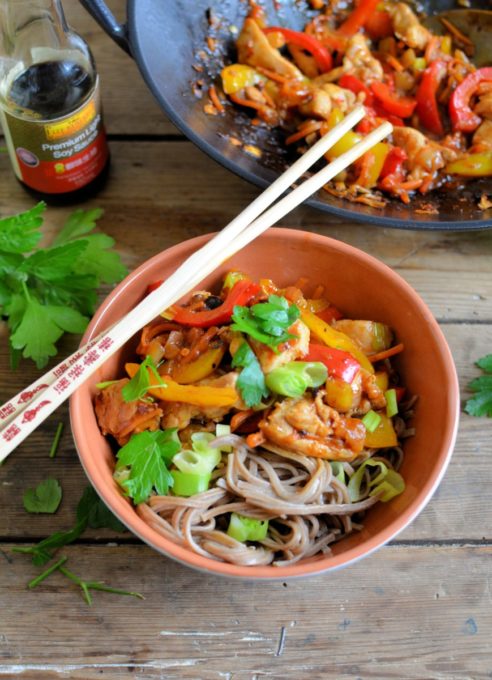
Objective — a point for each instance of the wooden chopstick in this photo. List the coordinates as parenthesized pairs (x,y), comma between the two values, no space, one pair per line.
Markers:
(203,262)
(20,401)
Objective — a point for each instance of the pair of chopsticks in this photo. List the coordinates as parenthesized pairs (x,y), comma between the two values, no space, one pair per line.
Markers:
(28,409)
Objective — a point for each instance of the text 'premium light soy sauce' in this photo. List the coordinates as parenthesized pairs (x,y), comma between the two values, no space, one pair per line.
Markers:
(49,102)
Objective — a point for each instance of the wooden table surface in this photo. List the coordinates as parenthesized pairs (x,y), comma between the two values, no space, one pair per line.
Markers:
(418,608)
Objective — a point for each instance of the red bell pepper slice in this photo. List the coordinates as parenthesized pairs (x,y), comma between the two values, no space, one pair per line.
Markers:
(427,106)
(403,107)
(352,83)
(309,43)
(329,314)
(340,364)
(240,294)
(462,117)
(393,164)
(379,25)
(358,18)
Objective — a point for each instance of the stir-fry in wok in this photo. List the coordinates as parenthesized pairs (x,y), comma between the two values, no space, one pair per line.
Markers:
(258,424)
(377,53)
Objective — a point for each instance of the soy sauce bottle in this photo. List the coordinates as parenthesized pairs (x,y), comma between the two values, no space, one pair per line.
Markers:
(50,107)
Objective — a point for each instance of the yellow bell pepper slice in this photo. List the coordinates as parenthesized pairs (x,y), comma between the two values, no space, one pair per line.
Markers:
(198,395)
(382,380)
(334,338)
(473,165)
(383,436)
(339,395)
(236,77)
(346,142)
(375,161)
(200,368)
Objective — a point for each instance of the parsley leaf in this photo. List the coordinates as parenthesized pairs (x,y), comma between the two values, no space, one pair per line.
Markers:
(46,497)
(20,233)
(267,322)
(97,514)
(251,381)
(481,403)
(46,292)
(147,455)
(140,383)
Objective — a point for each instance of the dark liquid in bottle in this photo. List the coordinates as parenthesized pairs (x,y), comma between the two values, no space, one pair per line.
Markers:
(49,90)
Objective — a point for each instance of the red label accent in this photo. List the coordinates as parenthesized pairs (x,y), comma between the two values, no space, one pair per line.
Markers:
(57,177)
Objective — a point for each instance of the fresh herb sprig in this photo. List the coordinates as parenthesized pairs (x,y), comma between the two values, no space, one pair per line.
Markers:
(139,385)
(267,322)
(143,463)
(46,292)
(481,402)
(91,512)
(251,381)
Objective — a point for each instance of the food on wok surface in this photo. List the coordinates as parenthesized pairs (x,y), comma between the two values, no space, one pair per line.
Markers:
(257,425)
(377,53)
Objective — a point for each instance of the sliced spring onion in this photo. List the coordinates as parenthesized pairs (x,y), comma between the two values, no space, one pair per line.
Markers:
(391,403)
(222,431)
(246,528)
(338,470)
(294,378)
(107,383)
(388,483)
(189,484)
(392,485)
(371,420)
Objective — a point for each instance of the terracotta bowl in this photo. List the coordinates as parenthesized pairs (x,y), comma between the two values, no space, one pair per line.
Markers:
(362,288)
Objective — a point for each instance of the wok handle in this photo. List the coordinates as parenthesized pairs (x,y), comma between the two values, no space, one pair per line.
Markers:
(104,17)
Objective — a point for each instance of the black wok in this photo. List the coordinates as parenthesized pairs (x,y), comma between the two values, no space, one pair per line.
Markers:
(165,38)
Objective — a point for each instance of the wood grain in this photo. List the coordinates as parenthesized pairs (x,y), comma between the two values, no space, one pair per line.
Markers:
(398,614)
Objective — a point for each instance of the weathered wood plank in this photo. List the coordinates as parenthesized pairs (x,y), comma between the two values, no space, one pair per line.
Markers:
(397,614)
(129,107)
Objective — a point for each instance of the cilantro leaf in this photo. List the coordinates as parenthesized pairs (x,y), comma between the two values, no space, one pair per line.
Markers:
(41,326)
(20,233)
(267,322)
(46,497)
(251,381)
(481,403)
(146,455)
(79,223)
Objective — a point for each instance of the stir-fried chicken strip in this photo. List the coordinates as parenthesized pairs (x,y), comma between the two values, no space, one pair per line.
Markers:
(293,349)
(425,157)
(359,61)
(255,50)
(484,105)
(308,426)
(120,418)
(180,415)
(407,27)
(483,135)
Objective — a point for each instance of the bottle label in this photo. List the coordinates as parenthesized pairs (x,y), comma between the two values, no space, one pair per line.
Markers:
(59,155)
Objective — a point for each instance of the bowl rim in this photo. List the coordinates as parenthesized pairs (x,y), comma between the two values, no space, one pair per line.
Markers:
(324,564)
(145,66)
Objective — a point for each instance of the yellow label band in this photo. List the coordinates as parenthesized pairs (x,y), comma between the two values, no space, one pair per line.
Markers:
(71,125)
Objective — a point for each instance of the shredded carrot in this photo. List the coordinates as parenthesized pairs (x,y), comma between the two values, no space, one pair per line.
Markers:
(455,32)
(255,439)
(386,354)
(300,134)
(425,186)
(301,283)
(140,420)
(246,102)
(410,185)
(268,99)
(393,61)
(272,75)
(214,98)
(239,418)
(318,292)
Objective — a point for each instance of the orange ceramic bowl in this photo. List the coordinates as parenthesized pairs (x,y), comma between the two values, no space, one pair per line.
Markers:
(362,288)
